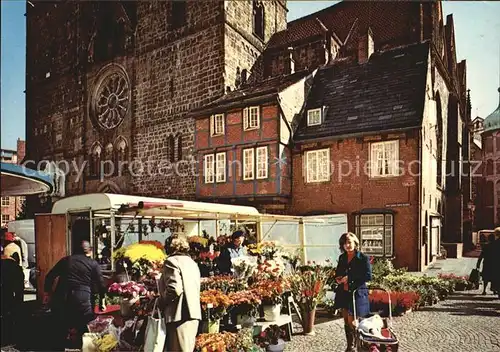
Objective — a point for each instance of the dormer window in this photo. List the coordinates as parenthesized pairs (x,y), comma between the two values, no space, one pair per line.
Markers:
(217,125)
(314,117)
(251,118)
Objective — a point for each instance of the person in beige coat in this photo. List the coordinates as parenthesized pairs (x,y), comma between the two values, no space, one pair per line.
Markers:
(180,297)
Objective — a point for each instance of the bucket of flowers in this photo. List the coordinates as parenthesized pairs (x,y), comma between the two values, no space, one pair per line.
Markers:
(214,305)
(245,307)
(271,293)
(130,292)
(308,287)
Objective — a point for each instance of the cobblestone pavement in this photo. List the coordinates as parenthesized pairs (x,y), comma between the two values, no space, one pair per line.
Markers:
(465,322)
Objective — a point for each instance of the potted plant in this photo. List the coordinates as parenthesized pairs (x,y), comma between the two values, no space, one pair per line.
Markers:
(245,307)
(272,339)
(214,305)
(271,293)
(129,292)
(308,287)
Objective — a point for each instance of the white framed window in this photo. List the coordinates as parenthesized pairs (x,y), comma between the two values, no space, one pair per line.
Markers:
(5,219)
(375,233)
(314,117)
(262,162)
(220,170)
(5,201)
(384,158)
(217,125)
(209,168)
(248,164)
(251,118)
(318,165)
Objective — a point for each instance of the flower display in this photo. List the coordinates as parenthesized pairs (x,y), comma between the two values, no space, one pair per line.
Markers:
(130,289)
(460,283)
(268,250)
(140,258)
(220,342)
(309,286)
(245,302)
(270,291)
(157,244)
(218,302)
(224,283)
(137,251)
(270,269)
(400,301)
(244,267)
(270,336)
(227,341)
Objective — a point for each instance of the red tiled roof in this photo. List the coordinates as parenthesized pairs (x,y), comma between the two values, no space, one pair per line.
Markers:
(394,24)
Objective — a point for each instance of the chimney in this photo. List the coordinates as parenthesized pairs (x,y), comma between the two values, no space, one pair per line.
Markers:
(237,81)
(366,47)
(289,62)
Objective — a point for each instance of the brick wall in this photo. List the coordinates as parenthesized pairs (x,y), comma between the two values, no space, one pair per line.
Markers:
(354,192)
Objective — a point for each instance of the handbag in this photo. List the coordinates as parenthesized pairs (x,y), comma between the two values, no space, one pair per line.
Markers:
(156,332)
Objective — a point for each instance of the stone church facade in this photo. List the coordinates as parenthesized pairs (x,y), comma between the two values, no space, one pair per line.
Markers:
(109,85)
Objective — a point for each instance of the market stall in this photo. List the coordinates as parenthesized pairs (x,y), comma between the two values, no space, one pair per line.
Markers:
(128,234)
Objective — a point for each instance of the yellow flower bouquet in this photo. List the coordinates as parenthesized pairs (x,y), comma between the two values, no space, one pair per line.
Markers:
(141,258)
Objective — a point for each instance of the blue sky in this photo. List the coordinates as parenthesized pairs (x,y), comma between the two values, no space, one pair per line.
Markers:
(477,29)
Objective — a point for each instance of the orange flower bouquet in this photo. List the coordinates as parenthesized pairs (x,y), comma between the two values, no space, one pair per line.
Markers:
(245,302)
(270,291)
(214,304)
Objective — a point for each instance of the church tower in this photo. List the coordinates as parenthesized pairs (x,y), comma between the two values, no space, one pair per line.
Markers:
(109,85)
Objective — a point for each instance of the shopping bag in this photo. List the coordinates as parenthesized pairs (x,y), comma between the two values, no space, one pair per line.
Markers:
(474,278)
(156,332)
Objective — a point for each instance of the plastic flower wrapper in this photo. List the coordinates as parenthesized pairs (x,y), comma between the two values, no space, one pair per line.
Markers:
(100,325)
(244,267)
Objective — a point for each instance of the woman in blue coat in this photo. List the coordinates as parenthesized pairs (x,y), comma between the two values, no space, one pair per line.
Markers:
(353,272)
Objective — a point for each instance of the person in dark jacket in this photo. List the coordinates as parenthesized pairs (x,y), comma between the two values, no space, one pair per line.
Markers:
(487,257)
(12,278)
(352,273)
(72,301)
(235,249)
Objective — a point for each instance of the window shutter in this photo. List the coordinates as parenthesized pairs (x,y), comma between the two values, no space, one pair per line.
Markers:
(212,125)
(245,118)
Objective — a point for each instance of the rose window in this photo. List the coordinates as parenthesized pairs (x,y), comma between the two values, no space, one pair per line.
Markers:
(111,100)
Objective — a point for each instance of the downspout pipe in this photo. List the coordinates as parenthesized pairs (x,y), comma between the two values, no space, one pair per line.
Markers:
(419,222)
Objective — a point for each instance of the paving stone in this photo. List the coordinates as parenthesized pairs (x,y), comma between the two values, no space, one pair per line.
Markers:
(465,321)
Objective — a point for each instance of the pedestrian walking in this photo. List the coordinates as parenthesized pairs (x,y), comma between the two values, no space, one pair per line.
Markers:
(179,288)
(352,273)
(72,302)
(487,257)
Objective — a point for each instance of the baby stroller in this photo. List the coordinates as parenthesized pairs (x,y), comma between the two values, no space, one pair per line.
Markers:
(366,342)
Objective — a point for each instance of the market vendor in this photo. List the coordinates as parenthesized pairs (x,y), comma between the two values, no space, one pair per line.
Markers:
(235,249)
